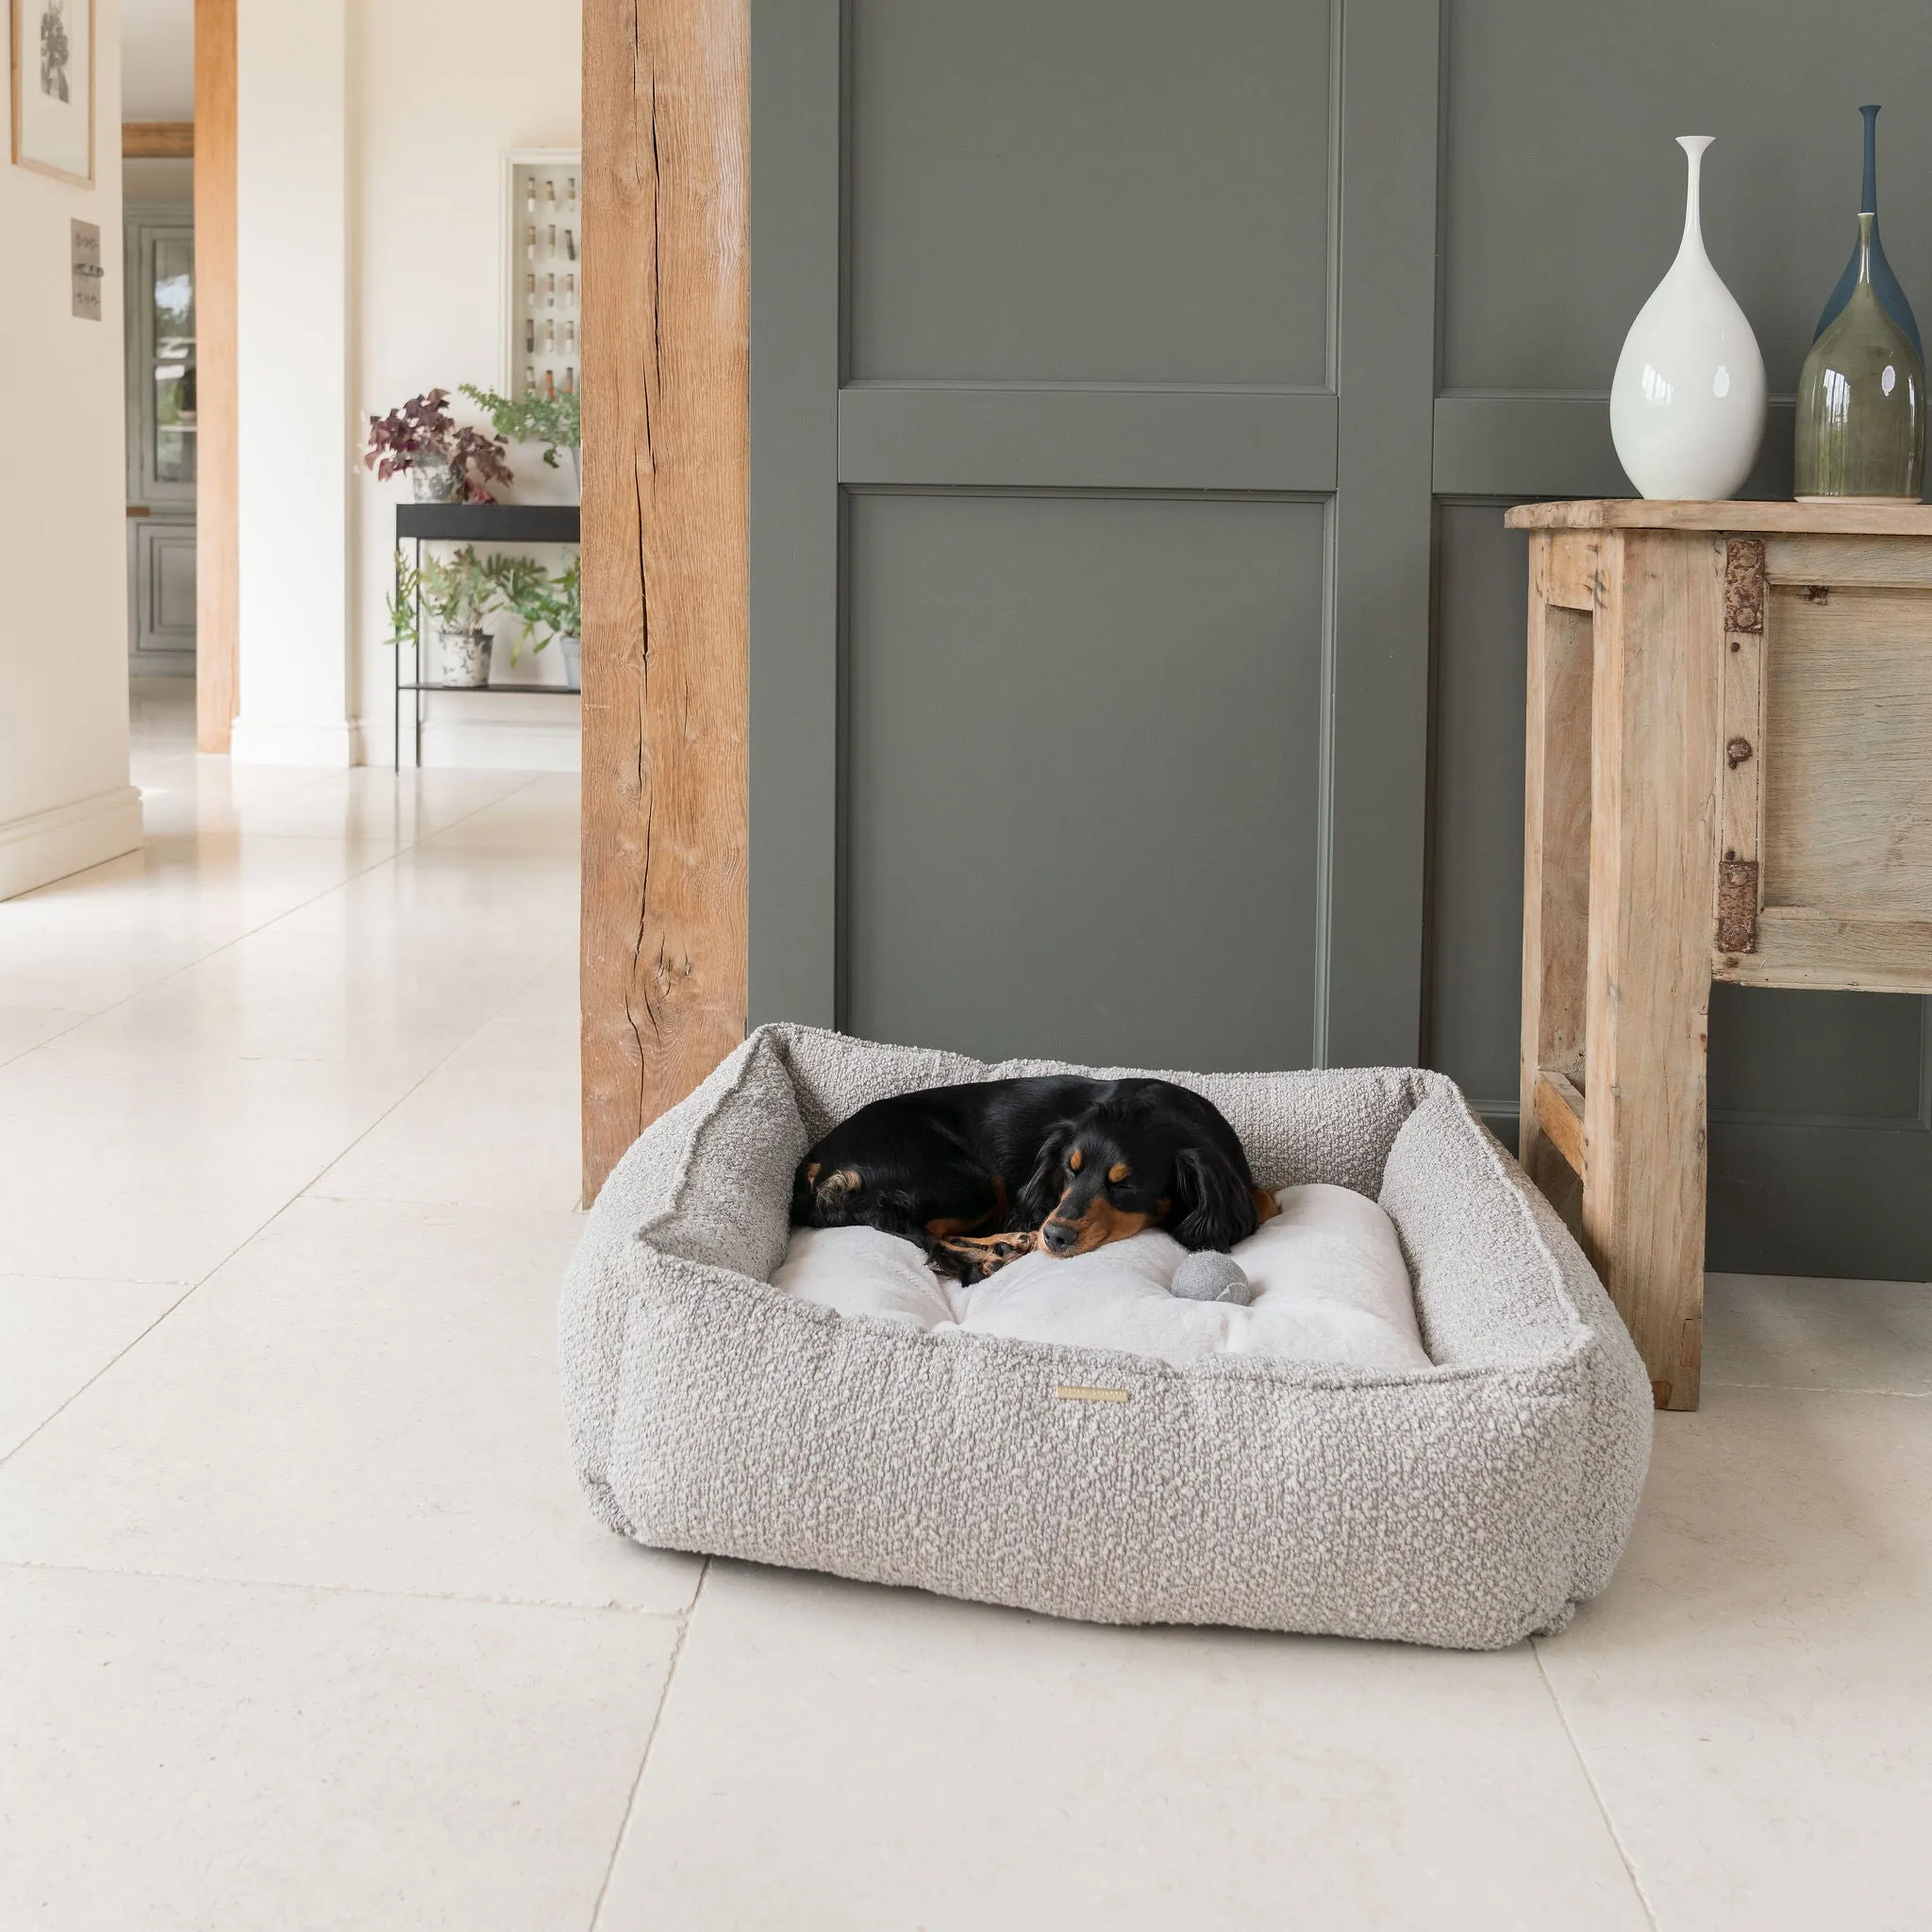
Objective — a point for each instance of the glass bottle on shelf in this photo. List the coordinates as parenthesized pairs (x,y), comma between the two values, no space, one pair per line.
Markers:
(530,289)
(530,243)
(550,194)
(570,290)
(529,335)
(571,194)
(1861,400)
(529,381)
(550,298)
(553,241)
(530,195)
(569,339)
(550,385)
(1891,298)
(569,381)
(550,339)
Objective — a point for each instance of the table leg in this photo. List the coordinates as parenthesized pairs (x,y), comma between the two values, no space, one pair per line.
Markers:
(1555,863)
(1659,645)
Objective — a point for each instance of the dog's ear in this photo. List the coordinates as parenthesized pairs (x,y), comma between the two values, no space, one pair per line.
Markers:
(1048,1180)
(1213,1204)
(803,1197)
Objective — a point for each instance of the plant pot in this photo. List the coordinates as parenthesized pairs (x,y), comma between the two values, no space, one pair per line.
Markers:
(432,480)
(572,662)
(464,657)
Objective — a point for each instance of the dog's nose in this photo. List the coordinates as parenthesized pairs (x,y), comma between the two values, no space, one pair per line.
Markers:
(1059,1236)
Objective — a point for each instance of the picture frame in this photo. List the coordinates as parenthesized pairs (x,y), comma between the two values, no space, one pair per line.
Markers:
(52,47)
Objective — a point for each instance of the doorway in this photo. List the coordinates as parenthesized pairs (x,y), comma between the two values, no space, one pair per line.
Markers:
(161,438)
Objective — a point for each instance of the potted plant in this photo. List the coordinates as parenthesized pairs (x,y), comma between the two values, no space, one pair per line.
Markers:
(446,463)
(524,585)
(461,593)
(567,618)
(555,421)
(550,607)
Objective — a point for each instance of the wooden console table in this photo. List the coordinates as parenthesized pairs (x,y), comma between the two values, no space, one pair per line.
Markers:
(1729,776)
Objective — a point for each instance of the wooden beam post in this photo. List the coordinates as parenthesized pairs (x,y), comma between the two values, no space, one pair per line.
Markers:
(666,460)
(158,140)
(217,508)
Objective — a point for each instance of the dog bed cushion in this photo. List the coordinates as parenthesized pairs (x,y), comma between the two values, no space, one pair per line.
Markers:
(1327,1274)
(1469,1502)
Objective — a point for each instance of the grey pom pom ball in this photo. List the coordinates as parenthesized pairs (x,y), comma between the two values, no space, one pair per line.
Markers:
(1210,1277)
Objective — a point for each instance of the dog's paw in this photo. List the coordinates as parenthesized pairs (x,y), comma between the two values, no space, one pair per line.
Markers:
(972,1257)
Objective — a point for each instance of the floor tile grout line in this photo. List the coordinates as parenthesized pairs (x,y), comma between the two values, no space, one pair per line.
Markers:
(79,1020)
(530,778)
(637,1784)
(219,821)
(201,1281)
(1826,1388)
(302,1192)
(287,913)
(306,1189)
(1603,1809)
(74,1395)
(372,1589)
(104,1280)
(216,952)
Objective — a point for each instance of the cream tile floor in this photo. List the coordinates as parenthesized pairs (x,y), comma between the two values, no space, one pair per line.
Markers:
(302,1625)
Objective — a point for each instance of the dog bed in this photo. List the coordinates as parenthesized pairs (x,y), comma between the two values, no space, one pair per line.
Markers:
(1469,1502)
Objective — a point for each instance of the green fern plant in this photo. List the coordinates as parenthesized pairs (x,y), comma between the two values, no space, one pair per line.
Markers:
(555,421)
(401,602)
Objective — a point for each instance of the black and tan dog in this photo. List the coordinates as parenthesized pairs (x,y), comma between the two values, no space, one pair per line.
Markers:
(981,1173)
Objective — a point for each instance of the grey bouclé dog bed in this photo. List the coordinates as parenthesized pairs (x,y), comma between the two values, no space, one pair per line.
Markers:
(1470,1505)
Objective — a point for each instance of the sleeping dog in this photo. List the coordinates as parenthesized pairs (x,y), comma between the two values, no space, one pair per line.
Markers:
(981,1173)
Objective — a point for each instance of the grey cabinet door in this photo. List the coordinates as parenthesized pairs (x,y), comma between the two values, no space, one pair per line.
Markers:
(161,570)
(1090,524)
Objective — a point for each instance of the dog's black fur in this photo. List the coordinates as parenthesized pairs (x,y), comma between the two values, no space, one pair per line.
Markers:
(980,1173)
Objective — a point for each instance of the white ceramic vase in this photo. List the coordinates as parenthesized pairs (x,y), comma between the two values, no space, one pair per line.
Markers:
(1687,406)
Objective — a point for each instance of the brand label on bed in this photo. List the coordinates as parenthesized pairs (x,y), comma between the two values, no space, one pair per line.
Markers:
(1074,1391)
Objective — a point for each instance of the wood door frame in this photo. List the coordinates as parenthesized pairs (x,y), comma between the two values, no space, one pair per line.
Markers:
(218,457)
(158,140)
(666,349)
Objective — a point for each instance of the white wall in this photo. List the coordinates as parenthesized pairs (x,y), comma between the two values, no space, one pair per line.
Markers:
(65,800)
(427,194)
(370,259)
(158,59)
(292,376)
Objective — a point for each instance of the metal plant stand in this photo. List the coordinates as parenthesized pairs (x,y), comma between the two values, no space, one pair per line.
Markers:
(472,522)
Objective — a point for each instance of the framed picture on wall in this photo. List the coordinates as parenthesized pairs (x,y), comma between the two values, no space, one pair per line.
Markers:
(54,87)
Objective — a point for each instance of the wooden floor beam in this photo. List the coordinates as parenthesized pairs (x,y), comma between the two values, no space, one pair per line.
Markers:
(218,456)
(666,362)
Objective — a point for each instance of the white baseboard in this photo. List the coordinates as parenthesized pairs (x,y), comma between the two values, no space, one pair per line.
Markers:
(495,744)
(48,845)
(257,743)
